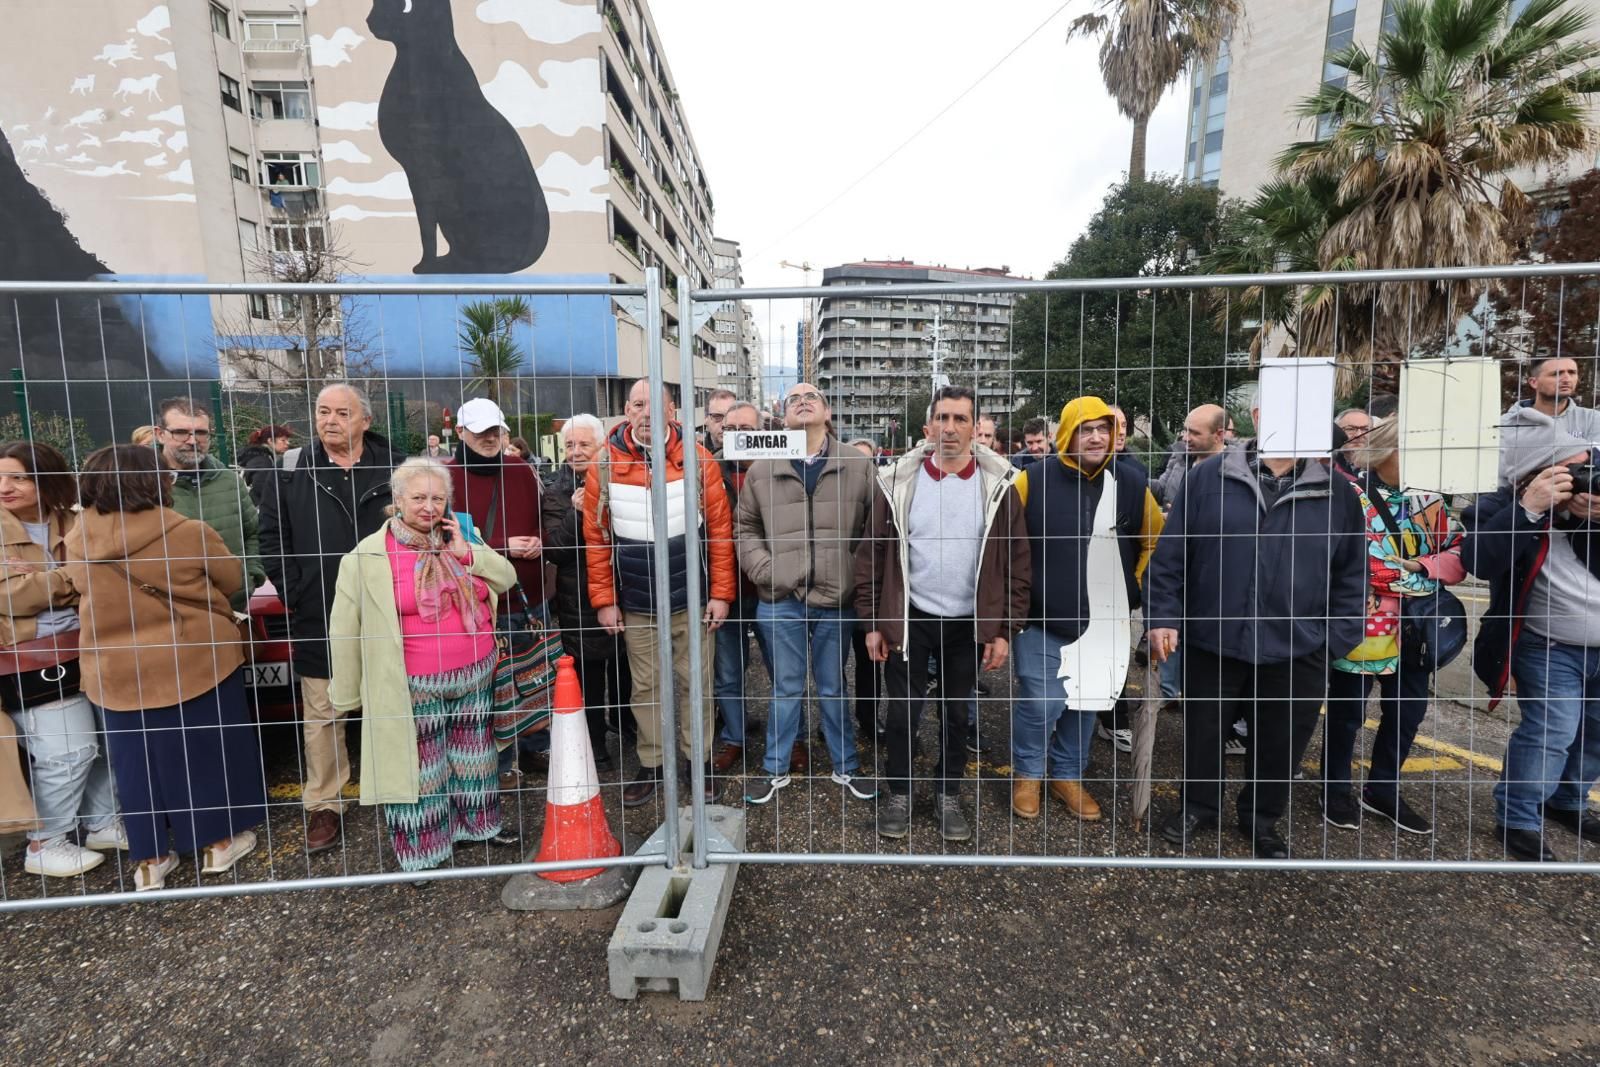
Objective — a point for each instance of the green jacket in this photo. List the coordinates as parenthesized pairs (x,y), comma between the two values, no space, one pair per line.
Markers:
(369,664)
(223,503)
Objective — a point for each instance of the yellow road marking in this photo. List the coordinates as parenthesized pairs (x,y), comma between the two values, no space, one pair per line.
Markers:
(1477,759)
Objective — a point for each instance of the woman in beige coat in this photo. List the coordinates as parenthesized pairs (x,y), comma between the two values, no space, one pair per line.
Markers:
(412,643)
(160,654)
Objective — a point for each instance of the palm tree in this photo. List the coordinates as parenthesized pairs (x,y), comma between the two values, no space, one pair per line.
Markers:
(1146,45)
(487,339)
(1424,135)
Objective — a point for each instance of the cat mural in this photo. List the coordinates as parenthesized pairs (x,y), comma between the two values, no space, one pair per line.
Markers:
(470,176)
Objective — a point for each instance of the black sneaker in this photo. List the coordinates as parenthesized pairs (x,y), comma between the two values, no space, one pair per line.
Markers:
(762,790)
(894,816)
(1340,809)
(1583,822)
(1526,845)
(1397,811)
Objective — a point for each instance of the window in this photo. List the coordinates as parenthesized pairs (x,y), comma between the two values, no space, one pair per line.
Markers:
(239,165)
(290,170)
(219,22)
(280,100)
(296,237)
(273,32)
(258,306)
(230,93)
(248,239)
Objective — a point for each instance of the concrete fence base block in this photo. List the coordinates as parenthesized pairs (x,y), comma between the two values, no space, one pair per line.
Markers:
(667,938)
(529,892)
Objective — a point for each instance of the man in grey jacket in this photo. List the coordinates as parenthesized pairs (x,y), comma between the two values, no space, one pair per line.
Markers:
(798,525)
(1553,381)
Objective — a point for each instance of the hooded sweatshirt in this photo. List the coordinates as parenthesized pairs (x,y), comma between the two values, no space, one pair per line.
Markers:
(1534,429)
(1564,600)
(1060,498)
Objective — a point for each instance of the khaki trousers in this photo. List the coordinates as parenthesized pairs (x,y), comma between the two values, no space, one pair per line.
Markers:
(639,634)
(327,753)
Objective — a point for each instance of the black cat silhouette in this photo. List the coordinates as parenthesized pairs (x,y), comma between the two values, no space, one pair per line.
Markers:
(470,176)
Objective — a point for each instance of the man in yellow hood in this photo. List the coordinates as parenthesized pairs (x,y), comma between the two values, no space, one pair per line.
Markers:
(1092,525)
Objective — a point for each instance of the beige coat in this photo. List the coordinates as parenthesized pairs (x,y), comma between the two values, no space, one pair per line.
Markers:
(792,545)
(137,650)
(26,593)
(369,663)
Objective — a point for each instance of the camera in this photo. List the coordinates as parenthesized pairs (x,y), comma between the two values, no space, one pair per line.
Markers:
(1585,477)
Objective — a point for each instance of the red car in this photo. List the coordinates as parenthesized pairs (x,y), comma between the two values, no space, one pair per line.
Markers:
(269,675)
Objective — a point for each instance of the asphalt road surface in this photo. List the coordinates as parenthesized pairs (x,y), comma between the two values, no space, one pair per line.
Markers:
(840,964)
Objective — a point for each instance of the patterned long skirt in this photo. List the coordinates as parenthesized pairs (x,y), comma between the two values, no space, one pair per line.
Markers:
(458,797)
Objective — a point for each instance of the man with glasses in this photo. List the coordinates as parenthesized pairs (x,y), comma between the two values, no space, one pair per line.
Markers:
(1354,424)
(204,489)
(718,404)
(799,523)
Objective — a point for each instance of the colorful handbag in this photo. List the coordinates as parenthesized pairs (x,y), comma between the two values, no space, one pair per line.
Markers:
(524,673)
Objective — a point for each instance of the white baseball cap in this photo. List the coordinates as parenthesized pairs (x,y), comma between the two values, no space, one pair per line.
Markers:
(480,415)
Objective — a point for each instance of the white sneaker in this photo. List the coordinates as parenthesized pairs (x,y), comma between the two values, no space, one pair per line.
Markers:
(114,836)
(60,857)
(1121,738)
(218,860)
(858,787)
(152,874)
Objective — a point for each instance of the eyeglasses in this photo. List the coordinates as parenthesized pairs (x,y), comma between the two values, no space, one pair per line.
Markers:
(712,416)
(794,399)
(184,435)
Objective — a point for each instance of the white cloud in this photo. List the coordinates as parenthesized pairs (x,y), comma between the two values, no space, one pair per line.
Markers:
(182,176)
(392,186)
(80,158)
(350,115)
(573,186)
(351,213)
(332,51)
(569,99)
(344,152)
(152,24)
(118,168)
(176,198)
(159,160)
(546,21)
(151,136)
(173,114)
(178,141)
(169,58)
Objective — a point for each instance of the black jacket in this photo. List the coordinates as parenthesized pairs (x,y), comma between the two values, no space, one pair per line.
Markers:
(1507,549)
(581,635)
(311,517)
(255,464)
(1255,583)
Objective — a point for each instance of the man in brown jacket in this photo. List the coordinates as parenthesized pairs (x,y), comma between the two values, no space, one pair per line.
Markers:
(799,523)
(944,574)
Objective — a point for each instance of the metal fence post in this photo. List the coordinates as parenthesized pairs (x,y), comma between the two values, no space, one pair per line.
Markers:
(224,434)
(691,547)
(20,388)
(662,560)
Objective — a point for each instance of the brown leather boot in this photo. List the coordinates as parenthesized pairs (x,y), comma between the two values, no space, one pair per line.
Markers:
(1025,797)
(1076,798)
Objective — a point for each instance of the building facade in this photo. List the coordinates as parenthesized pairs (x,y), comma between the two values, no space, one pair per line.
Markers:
(311,140)
(1241,106)
(874,358)
(737,341)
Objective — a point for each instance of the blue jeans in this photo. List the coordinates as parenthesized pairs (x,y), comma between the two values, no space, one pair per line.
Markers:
(732,659)
(1553,756)
(71,778)
(1040,718)
(791,628)
(1172,676)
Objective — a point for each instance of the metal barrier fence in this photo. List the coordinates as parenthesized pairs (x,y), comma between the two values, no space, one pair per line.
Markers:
(1156,346)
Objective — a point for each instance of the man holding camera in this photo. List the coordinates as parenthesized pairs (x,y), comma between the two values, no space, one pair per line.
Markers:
(1535,541)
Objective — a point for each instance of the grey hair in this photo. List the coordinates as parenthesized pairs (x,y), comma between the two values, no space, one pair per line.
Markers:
(585,421)
(857,442)
(1377,444)
(359,393)
(414,468)
(744,404)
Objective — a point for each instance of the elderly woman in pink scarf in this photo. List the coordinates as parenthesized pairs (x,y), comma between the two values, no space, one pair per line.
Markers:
(412,643)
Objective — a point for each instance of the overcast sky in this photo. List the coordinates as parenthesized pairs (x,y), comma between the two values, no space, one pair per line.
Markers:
(790,103)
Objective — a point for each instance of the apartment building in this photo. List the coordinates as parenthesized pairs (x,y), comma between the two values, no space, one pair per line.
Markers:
(293,140)
(870,354)
(737,341)
(1241,112)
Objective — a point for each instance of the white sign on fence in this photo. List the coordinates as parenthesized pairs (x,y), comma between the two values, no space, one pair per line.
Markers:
(764,444)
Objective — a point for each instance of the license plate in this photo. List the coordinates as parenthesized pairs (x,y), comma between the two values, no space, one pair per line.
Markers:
(267,675)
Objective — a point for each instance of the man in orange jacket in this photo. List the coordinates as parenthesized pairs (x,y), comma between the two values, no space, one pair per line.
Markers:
(619,532)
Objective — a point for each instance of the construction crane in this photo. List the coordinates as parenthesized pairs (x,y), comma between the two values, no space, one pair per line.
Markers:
(806,331)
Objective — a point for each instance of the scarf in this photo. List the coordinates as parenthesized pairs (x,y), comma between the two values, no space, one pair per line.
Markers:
(441,578)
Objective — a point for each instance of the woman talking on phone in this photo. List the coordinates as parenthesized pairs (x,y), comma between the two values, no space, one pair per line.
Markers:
(412,642)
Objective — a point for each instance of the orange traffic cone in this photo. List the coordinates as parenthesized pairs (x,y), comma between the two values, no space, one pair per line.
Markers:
(575,826)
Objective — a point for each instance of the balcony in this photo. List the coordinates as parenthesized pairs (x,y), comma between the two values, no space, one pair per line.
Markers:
(272,54)
(291,202)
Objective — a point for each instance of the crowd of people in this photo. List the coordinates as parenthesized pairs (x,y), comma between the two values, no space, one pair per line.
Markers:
(429,595)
